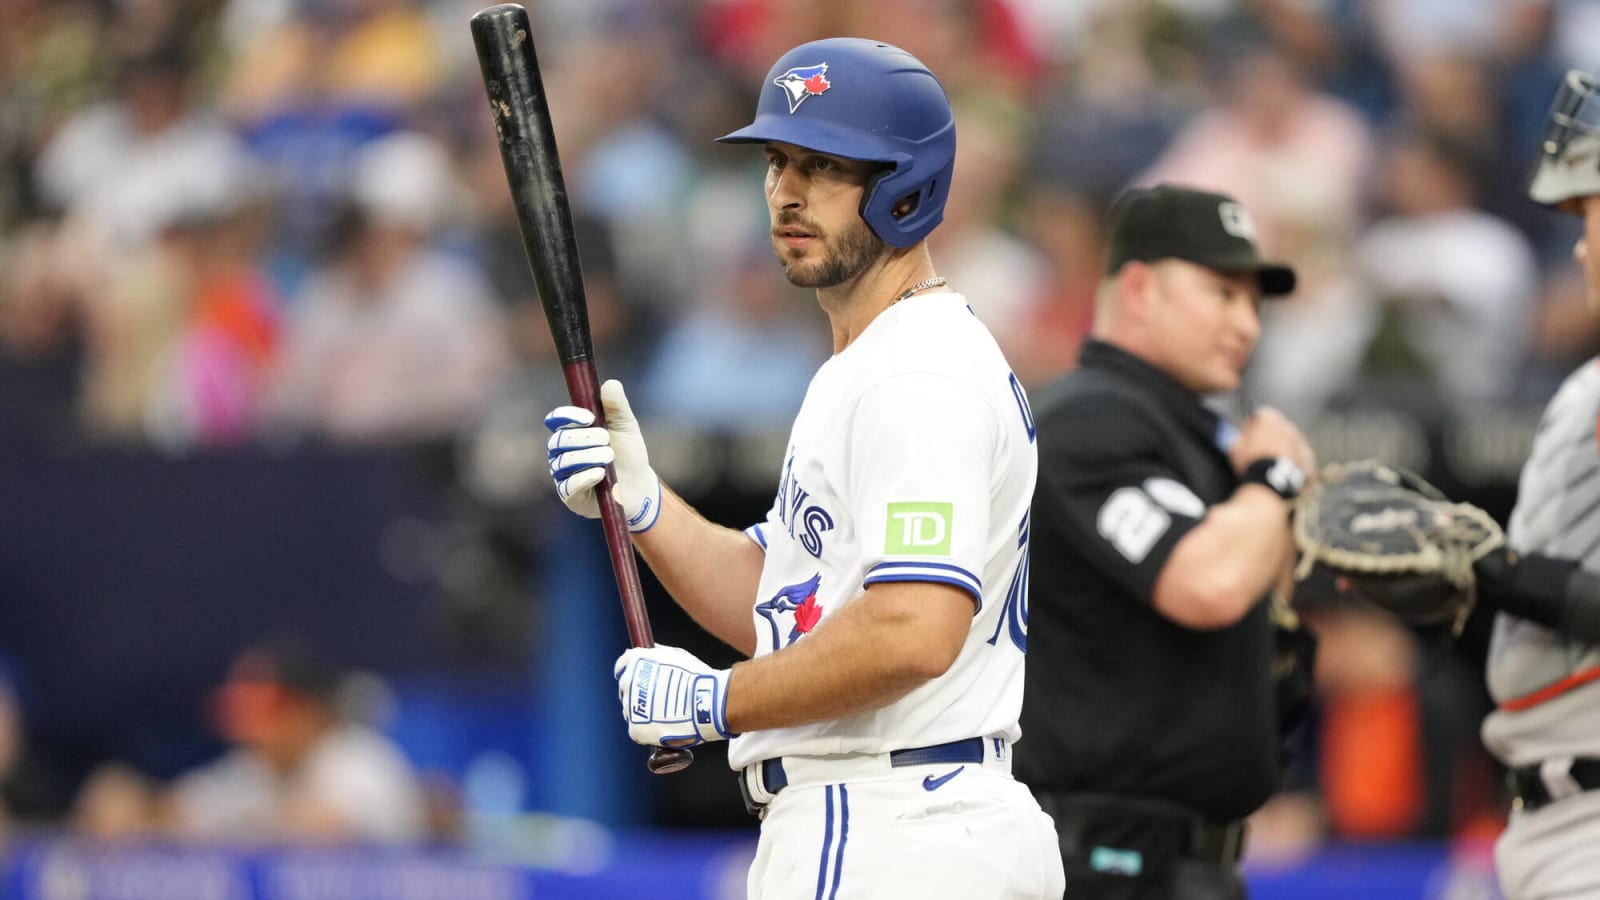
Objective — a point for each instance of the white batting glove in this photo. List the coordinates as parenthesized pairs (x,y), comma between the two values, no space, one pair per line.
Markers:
(580,452)
(670,698)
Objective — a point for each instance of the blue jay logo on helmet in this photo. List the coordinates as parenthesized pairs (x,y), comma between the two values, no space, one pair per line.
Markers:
(884,106)
(801,82)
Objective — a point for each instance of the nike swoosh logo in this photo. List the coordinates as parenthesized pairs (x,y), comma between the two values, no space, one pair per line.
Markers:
(931,783)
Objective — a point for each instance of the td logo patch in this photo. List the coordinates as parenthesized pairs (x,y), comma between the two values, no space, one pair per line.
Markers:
(918,529)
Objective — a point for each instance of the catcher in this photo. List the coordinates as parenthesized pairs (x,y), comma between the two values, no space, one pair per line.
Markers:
(1547,683)
(1386,536)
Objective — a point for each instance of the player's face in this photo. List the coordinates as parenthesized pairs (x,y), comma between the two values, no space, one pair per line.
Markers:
(1206,323)
(815,202)
(1587,250)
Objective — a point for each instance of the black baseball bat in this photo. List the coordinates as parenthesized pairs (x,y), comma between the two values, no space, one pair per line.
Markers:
(521,111)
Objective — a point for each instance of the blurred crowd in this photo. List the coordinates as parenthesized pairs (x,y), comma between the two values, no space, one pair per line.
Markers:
(231,223)
(228,221)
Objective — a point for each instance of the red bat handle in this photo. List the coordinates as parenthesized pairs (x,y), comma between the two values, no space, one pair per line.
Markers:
(583,385)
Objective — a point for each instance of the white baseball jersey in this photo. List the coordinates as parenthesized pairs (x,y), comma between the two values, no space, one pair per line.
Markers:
(912,459)
(1547,687)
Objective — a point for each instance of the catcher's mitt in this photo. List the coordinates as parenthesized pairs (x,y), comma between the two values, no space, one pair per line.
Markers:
(1393,539)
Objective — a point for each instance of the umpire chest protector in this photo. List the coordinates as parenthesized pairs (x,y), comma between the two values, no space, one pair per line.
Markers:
(1120,699)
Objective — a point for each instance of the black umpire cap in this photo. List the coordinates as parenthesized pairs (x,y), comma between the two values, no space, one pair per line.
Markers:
(1173,222)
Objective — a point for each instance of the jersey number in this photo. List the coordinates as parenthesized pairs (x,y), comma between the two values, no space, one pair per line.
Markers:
(1022,404)
(1132,522)
(1014,615)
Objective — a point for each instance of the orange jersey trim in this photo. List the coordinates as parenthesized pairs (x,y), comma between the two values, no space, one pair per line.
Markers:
(1551,691)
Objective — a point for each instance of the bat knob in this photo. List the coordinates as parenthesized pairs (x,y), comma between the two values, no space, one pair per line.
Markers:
(666,760)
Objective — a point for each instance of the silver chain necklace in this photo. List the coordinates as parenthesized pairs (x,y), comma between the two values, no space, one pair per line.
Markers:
(919,287)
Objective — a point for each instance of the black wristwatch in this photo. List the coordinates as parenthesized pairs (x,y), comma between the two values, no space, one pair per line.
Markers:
(1277,472)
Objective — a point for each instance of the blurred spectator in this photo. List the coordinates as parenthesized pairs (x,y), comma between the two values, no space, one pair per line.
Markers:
(182,342)
(1395,713)
(981,43)
(311,83)
(1455,284)
(1422,29)
(51,65)
(299,771)
(1271,140)
(1112,112)
(122,168)
(612,94)
(373,54)
(1369,747)
(393,338)
(976,45)
(1313,343)
(1001,275)
(229,345)
(1468,101)
(40,345)
(1069,228)
(142,191)
(1568,25)
(1298,159)
(741,360)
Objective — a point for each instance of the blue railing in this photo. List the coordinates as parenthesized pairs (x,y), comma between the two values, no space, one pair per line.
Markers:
(590,863)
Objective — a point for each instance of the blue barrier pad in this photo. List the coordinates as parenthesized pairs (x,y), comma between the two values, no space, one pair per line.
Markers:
(600,865)
(626,866)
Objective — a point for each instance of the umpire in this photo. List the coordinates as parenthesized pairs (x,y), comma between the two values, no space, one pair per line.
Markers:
(1152,717)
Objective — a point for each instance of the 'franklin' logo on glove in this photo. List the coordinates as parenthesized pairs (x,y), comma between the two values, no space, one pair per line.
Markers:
(642,677)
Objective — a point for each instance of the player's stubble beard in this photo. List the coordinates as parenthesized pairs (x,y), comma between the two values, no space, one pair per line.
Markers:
(856,250)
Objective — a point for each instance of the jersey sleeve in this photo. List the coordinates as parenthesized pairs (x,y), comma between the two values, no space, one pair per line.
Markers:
(763,531)
(1107,489)
(920,464)
(757,534)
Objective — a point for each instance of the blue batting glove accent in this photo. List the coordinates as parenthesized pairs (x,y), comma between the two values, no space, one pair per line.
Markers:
(671,698)
(568,417)
(581,452)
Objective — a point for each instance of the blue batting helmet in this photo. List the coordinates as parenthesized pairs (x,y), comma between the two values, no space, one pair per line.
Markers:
(865,100)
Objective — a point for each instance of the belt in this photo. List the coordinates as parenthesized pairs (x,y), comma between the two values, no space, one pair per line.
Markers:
(760,782)
(1554,779)
(1078,816)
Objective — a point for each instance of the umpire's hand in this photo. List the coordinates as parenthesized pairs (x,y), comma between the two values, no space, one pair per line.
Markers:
(1268,434)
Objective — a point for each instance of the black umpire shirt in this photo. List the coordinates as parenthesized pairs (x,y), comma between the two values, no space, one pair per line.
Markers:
(1120,699)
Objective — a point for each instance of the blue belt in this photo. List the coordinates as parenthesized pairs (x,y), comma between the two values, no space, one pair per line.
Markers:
(774,779)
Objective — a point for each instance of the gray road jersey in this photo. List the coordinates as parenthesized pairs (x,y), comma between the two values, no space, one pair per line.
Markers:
(1557,514)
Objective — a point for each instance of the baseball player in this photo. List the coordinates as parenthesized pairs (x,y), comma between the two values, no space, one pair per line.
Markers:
(883,599)
(1546,686)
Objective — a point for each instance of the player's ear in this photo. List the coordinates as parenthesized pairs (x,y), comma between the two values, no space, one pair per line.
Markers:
(1134,281)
